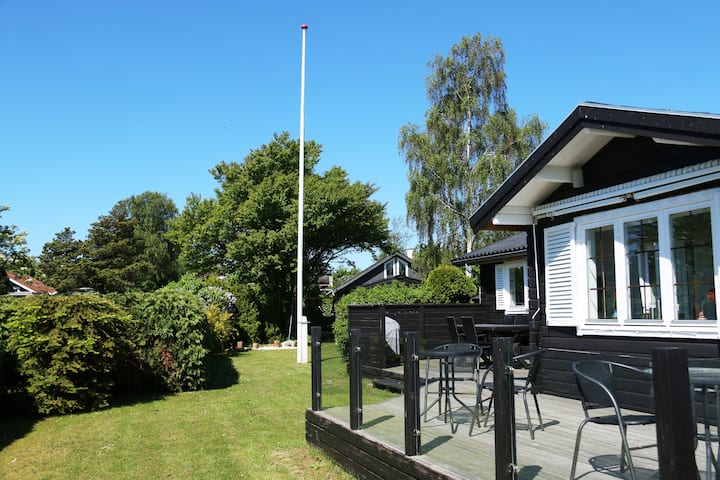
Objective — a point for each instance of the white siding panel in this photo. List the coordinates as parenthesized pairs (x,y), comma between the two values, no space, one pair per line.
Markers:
(559,275)
(500,303)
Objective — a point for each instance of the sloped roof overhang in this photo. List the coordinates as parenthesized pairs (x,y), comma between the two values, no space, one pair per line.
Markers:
(559,159)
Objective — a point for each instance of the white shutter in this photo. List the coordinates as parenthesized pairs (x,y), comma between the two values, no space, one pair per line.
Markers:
(500,302)
(559,275)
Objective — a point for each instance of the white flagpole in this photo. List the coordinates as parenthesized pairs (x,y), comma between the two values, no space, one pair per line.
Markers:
(300,319)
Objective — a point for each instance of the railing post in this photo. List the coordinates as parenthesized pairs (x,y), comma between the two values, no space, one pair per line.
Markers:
(673,412)
(504,399)
(355,380)
(316,334)
(412,395)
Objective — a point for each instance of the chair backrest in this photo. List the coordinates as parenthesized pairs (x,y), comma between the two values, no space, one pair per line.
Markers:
(534,359)
(596,383)
(466,362)
(469,329)
(452,328)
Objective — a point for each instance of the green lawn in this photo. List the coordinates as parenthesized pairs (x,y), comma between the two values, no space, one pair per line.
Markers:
(249,424)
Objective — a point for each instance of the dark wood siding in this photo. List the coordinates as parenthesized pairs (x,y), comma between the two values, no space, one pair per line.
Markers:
(626,159)
(564,347)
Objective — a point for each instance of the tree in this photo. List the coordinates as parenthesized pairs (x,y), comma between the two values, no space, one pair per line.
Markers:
(129,249)
(112,254)
(250,230)
(471,142)
(60,261)
(153,212)
(14,253)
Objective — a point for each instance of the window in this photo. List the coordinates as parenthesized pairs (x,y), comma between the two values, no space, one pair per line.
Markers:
(601,273)
(396,268)
(511,287)
(692,254)
(649,268)
(642,255)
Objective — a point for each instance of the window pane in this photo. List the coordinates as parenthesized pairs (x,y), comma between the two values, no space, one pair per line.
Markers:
(517,286)
(389,270)
(693,264)
(601,272)
(643,255)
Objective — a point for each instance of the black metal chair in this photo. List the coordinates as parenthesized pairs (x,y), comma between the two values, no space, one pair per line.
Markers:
(522,385)
(471,336)
(452,329)
(596,383)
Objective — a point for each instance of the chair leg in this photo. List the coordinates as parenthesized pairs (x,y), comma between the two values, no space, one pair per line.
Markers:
(626,450)
(537,407)
(527,414)
(577,449)
(487,415)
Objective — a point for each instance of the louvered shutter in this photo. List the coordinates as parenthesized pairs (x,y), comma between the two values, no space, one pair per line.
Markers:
(559,275)
(500,300)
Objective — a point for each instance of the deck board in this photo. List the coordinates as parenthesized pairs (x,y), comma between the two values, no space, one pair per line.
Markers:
(548,456)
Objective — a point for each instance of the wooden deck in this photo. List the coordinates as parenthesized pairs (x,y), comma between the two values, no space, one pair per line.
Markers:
(463,456)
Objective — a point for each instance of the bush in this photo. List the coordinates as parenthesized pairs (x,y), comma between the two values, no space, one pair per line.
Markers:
(68,349)
(394,293)
(449,284)
(171,336)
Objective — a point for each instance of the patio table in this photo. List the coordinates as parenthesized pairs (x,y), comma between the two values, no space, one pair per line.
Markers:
(446,383)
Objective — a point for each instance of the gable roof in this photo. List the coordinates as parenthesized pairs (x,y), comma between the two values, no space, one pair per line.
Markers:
(510,247)
(371,275)
(559,159)
(27,285)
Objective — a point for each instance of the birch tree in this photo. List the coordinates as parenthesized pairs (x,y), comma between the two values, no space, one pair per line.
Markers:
(471,142)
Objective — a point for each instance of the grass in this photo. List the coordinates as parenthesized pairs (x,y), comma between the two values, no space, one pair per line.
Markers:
(249,424)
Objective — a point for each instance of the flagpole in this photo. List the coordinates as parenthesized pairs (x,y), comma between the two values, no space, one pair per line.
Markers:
(299,318)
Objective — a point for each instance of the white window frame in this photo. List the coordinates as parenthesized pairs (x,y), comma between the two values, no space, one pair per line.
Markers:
(503,298)
(668,325)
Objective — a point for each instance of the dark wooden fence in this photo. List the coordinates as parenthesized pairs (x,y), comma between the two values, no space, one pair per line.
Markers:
(428,320)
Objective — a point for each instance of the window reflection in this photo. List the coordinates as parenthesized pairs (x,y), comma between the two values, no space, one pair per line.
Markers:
(693,264)
(643,256)
(601,272)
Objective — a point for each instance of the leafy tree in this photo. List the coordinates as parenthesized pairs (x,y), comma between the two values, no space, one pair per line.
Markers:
(60,261)
(14,253)
(70,350)
(172,338)
(250,230)
(112,254)
(471,142)
(128,249)
(449,284)
(153,212)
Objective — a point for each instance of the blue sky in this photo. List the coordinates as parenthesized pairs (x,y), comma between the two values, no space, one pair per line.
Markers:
(104,99)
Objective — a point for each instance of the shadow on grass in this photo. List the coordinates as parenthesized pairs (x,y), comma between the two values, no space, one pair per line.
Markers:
(222,371)
(16,419)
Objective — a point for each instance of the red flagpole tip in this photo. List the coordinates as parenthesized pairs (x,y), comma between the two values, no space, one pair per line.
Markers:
(304,26)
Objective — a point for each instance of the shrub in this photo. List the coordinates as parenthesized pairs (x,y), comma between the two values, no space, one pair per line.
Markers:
(449,284)
(394,293)
(68,349)
(171,336)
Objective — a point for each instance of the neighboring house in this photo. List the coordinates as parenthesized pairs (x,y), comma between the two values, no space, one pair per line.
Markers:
(393,268)
(621,207)
(503,276)
(27,285)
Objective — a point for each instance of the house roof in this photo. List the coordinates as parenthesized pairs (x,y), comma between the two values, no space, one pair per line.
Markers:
(366,277)
(510,247)
(559,159)
(28,285)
